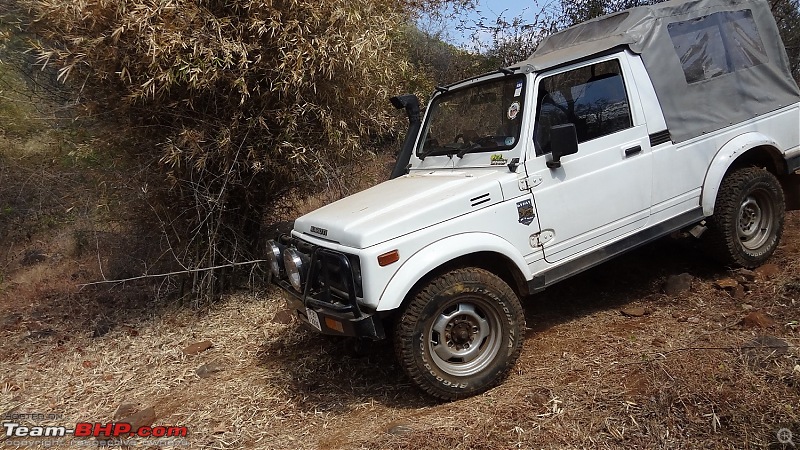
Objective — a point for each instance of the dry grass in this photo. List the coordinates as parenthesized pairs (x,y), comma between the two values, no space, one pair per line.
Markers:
(587,377)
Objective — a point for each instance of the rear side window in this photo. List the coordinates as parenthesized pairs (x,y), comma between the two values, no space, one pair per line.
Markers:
(717,44)
(592,97)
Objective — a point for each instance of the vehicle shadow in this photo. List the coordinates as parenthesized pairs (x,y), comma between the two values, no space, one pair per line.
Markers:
(335,374)
(332,374)
(638,275)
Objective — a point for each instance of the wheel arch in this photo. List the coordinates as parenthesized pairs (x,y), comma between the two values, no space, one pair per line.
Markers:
(749,149)
(483,250)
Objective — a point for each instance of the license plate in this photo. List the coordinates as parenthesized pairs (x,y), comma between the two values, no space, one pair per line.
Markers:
(313,318)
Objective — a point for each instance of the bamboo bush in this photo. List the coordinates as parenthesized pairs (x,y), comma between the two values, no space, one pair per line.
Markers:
(250,99)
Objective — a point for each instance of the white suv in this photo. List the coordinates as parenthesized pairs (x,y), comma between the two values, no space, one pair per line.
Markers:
(620,130)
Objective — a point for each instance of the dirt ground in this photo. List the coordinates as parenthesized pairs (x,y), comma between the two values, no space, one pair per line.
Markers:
(689,373)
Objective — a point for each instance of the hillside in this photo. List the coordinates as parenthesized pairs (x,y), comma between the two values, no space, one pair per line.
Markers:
(621,356)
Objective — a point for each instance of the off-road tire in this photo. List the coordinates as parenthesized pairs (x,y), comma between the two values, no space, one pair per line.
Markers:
(468,314)
(748,218)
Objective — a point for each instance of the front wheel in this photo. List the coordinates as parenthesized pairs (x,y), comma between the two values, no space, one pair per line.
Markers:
(461,334)
(748,218)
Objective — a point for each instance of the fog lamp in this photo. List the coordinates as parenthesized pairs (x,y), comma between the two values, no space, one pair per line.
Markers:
(293,262)
(274,258)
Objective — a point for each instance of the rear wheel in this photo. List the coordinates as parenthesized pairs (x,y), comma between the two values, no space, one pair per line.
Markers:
(461,334)
(748,218)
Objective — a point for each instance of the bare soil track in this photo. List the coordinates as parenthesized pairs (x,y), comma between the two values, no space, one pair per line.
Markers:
(689,374)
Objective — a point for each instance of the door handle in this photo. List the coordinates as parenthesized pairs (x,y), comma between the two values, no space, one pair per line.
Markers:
(632,151)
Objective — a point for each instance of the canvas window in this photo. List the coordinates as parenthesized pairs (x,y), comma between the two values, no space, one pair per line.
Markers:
(717,44)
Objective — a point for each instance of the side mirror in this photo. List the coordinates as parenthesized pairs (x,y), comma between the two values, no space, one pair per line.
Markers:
(563,141)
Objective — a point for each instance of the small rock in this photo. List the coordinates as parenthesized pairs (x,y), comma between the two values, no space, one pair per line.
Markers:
(197,348)
(770,343)
(34,256)
(761,349)
(693,319)
(768,271)
(538,399)
(206,370)
(400,429)
(731,286)
(124,410)
(283,316)
(636,311)
(728,284)
(679,317)
(739,292)
(143,418)
(758,319)
(40,334)
(747,275)
(747,306)
(678,284)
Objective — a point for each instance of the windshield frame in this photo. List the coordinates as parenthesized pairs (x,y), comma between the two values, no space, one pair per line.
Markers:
(512,105)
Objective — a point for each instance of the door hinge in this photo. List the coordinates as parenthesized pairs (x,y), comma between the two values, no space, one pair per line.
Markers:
(526,184)
(541,238)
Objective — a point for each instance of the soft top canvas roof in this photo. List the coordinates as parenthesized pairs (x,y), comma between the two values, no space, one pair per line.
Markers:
(712,62)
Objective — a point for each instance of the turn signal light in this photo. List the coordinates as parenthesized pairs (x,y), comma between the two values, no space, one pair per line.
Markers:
(388,258)
(334,324)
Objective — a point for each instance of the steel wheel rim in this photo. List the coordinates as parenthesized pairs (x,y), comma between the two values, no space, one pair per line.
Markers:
(756,220)
(464,336)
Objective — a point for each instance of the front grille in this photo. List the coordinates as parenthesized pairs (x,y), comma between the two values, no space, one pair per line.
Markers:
(332,277)
(332,274)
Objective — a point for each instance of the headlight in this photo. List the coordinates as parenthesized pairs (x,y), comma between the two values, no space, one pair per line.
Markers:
(274,258)
(295,265)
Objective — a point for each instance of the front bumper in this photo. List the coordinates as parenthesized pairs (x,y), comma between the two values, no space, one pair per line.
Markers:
(330,321)
(324,307)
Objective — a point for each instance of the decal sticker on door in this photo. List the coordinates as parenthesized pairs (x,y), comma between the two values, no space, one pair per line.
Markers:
(525,211)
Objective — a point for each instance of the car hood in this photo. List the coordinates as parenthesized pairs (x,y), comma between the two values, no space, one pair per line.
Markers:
(401,206)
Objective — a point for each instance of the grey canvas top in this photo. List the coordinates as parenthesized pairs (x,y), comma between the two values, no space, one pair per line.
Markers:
(712,62)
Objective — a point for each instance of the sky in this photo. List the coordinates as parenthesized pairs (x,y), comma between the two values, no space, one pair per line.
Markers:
(488,9)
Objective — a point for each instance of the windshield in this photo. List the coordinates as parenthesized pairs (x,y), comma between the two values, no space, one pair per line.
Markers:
(485,117)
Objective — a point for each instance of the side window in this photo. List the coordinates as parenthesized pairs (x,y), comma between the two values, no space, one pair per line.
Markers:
(717,44)
(592,97)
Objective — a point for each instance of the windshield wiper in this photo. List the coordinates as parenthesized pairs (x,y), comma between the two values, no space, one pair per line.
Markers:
(485,142)
(469,149)
(432,152)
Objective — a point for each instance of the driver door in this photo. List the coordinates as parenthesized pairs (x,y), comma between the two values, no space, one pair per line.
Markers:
(604,190)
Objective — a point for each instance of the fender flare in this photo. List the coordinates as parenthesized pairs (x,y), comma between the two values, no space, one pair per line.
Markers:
(722,161)
(440,252)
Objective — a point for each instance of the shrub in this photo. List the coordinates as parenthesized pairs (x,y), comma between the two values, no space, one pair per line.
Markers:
(251,99)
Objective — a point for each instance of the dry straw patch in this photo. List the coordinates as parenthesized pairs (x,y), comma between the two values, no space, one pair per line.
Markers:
(681,376)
